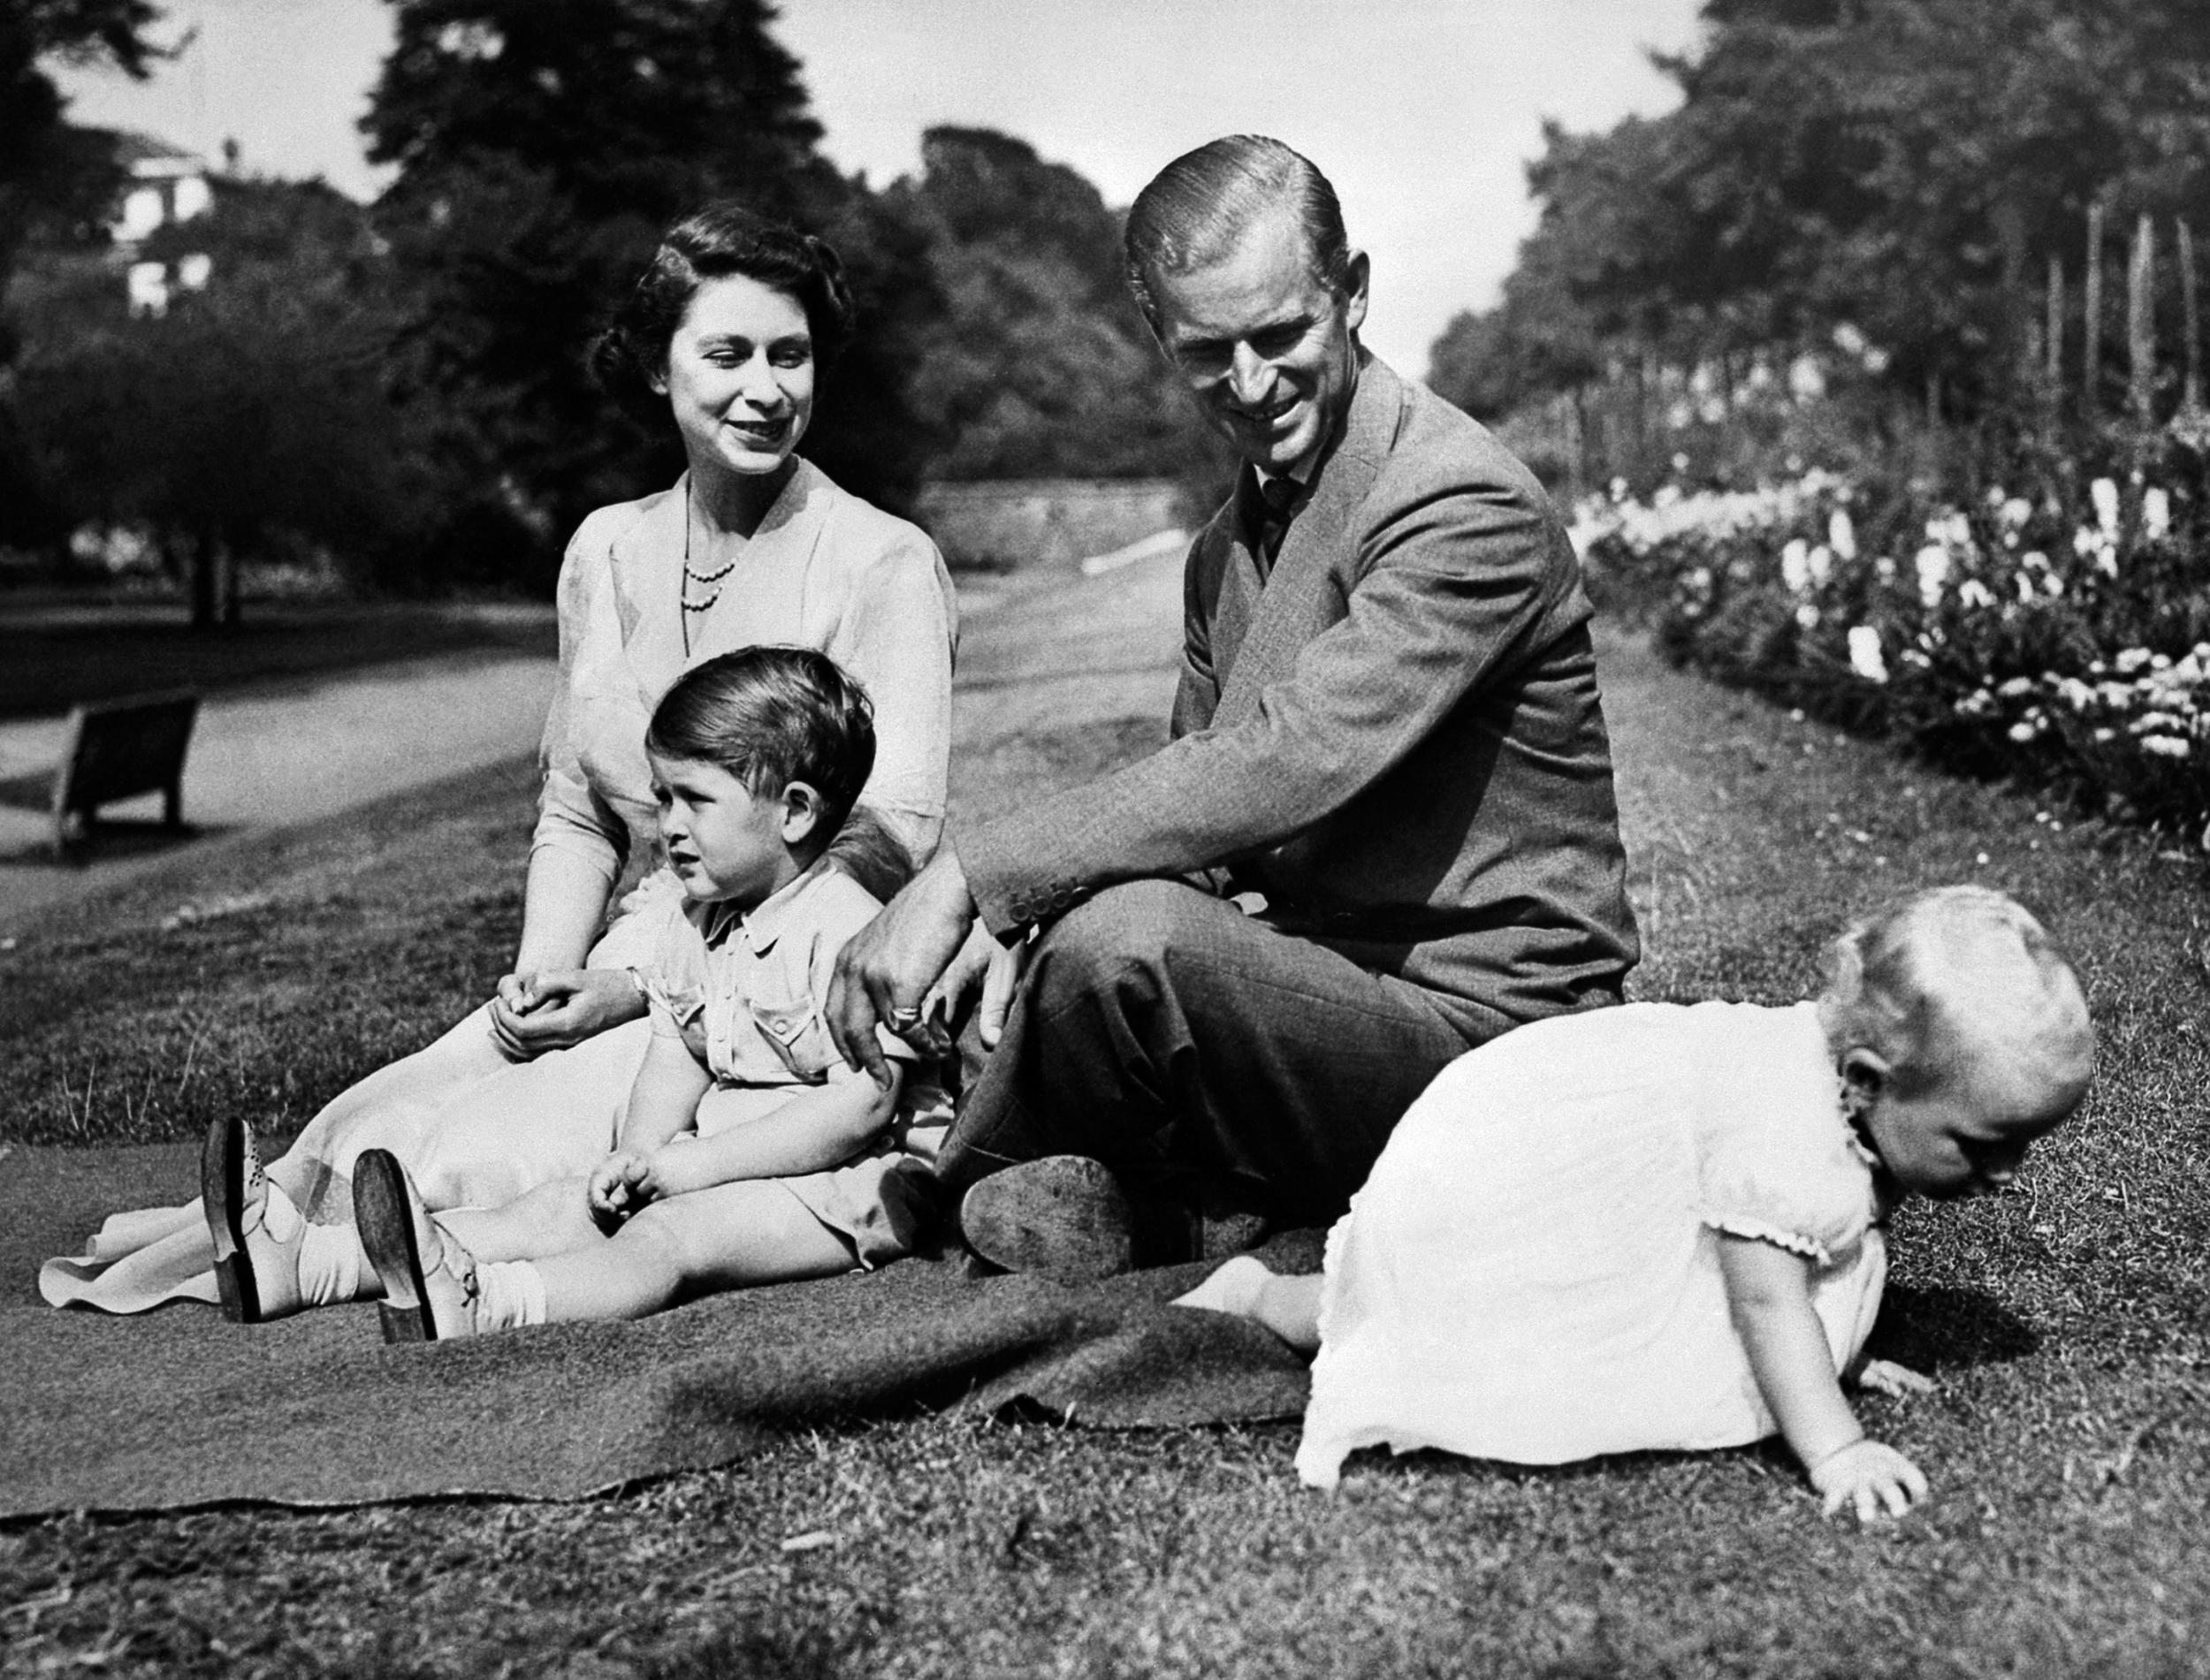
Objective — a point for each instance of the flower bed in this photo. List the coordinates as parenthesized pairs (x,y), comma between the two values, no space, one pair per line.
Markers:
(2060,634)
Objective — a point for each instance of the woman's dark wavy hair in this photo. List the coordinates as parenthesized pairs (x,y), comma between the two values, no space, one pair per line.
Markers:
(770,716)
(722,238)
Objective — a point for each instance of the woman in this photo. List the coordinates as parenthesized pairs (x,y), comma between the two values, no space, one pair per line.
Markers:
(728,325)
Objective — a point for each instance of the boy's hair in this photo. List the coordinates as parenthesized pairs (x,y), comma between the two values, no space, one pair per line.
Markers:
(1950,973)
(771,716)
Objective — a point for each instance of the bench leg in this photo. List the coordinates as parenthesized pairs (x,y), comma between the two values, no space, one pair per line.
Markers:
(172,804)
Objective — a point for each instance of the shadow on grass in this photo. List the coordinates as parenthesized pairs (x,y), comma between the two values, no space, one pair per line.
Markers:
(1942,1328)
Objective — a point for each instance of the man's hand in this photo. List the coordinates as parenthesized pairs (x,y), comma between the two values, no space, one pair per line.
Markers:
(557,1008)
(1870,1477)
(886,969)
(982,963)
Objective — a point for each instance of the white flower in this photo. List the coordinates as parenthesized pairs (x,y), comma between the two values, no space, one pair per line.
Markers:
(1822,565)
(2156,511)
(2104,494)
(1973,592)
(1884,568)
(1841,536)
(2165,746)
(2024,731)
(2130,660)
(1807,615)
(1865,653)
(2016,512)
(1933,571)
(1795,566)
(2016,689)
(2025,590)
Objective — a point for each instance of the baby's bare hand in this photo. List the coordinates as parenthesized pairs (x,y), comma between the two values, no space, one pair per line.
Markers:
(1886,1376)
(1870,1477)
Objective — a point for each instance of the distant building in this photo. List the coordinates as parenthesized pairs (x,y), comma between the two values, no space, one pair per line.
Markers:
(167,185)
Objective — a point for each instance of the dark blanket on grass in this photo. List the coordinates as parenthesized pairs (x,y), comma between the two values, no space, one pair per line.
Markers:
(178,1407)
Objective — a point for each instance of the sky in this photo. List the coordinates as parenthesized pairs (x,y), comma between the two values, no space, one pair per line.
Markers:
(1424,113)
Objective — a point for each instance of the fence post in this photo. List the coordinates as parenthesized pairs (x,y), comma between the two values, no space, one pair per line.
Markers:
(2141,320)
(2091,361)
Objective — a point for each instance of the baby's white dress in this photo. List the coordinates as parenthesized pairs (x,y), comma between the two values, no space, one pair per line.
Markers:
(1531,1273)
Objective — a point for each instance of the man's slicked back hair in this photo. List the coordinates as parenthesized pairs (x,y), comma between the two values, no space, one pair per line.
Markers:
(1198,206)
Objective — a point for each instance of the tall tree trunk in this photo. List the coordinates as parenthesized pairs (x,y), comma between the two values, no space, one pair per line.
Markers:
(2190,396)
(205,592)
(2141,320)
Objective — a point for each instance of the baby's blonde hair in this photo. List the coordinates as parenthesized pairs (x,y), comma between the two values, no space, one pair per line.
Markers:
(1951,974)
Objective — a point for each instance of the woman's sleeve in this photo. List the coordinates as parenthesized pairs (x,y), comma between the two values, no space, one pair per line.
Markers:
(898,638)
(571,816)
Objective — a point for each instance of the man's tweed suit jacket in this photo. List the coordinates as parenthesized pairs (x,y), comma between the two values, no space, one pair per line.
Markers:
(1396,735)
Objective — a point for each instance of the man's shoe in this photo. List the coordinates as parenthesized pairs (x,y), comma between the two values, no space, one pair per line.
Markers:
(256,1230)
(430,1288)
(1062,1217)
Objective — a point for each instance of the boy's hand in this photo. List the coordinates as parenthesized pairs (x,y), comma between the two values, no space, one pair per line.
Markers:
(616,1187)
(555,1009)
(1870,1477)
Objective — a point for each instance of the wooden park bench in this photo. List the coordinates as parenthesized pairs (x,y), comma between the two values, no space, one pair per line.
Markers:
(117,749)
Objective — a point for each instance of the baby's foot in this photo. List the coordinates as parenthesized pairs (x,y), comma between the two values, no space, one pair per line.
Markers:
(1233,1288)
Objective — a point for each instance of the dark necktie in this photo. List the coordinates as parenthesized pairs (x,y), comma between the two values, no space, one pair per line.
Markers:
(1276,497)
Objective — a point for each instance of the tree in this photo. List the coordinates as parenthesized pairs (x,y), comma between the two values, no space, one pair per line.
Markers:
(1040,364)
(50,172)
(542,145)
(44,166)
(1905,167)
(253,414)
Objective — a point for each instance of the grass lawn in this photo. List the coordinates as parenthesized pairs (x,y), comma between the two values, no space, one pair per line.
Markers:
(52,658)
(2068,1326)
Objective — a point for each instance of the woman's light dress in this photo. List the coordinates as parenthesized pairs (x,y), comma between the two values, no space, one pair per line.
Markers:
(1531,1273)
(825,570)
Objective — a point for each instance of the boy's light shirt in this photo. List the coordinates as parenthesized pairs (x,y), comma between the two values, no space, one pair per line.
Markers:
(746,991)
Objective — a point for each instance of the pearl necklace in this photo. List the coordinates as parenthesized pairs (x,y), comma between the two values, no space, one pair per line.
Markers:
(690,576)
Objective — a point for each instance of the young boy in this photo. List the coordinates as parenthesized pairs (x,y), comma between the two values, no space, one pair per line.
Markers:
(750,1153)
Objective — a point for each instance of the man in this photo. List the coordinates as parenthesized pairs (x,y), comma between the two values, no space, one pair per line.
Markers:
(1388,727)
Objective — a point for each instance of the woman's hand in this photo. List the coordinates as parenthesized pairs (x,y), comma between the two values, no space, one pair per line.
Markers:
(557,1008)
(1870,1477)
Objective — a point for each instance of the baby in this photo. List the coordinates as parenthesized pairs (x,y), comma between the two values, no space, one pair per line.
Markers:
(1659,1227)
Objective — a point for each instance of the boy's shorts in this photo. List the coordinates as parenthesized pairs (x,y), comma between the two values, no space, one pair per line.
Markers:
(882,1204)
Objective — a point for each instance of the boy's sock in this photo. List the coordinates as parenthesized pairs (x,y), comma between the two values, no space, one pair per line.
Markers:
(508,1293)
(328,1259)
